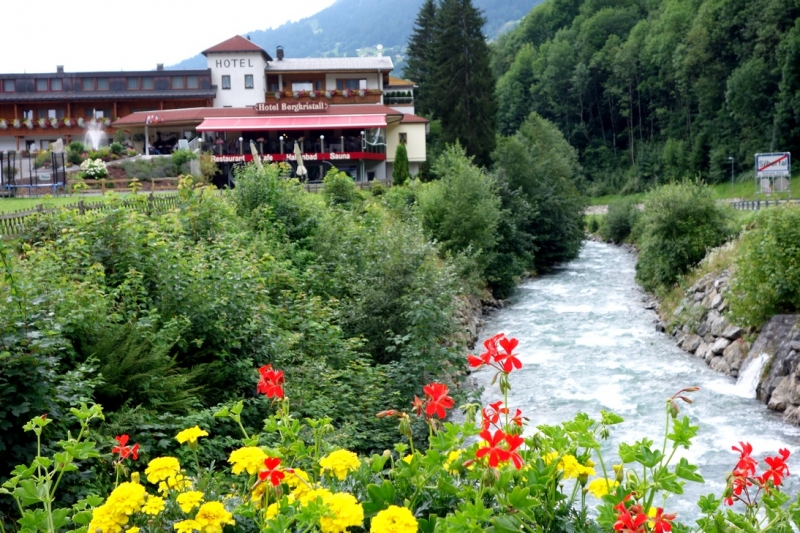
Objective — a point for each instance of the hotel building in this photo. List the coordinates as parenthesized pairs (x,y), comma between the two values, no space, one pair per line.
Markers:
(347,113)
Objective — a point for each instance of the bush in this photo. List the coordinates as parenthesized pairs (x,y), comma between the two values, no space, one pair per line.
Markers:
(592,225)
(42,159)
(116,148)
(181,158)
(767,273)
(339,188)
(680,222)
(620,220)
(76,146)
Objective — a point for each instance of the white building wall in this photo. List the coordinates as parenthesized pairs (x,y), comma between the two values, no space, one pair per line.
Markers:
(236,65)
(415,141)
(373,79)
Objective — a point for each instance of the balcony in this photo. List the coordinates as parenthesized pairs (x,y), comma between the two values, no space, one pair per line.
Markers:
(347,96)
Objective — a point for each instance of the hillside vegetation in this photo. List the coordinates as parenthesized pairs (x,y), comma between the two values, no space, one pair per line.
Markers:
(652,91)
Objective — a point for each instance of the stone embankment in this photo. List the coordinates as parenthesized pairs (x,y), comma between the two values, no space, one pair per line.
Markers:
(700,326)
(470,311)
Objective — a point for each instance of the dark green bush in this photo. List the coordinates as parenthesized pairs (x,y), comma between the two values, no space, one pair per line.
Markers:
(339,189)
(680,222)
(180,160)
(620,220)
(767,275)
(76,146)
(116,148)
(592,224)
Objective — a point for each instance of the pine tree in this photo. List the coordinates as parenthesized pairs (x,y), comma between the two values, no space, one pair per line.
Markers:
(419,67)
(463,85)
(400,173)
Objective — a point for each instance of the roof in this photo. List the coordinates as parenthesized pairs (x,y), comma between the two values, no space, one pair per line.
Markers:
(400,82)
(198,114)
(331,63)
(408,118)
(109,95)
(236,44)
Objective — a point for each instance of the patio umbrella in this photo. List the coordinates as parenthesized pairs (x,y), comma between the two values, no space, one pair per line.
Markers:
(301,170)
(256,155)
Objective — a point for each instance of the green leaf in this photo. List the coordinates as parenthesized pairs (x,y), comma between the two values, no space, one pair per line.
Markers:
(609,418)
(506,523)
(82,518)
(648,457)
(683,432)
(708,504)
(688,471)
(380,497)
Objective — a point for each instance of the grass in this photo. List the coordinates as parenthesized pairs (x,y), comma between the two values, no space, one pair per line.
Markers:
(9,205)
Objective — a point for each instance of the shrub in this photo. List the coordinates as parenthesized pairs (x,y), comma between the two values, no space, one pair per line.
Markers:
(42,159)
(116,148)
(620,220)
(592,224)
(181,158)
(680,222)
(767,272)
(208,166)
(339,188)
(400,173)
(76,146)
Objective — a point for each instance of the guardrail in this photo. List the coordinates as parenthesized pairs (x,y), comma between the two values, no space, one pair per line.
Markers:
(755,205)
(12,224)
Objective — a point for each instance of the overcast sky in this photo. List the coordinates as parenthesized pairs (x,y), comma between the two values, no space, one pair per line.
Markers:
(97,35)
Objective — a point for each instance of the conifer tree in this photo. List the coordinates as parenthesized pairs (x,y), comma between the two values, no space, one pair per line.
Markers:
(463,88)
(419,67)
(400,173)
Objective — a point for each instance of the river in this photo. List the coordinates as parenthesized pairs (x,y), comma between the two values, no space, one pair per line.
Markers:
(587,343)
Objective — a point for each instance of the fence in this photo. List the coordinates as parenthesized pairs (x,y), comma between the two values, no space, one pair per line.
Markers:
(124,184)
(12,224)
(755,205)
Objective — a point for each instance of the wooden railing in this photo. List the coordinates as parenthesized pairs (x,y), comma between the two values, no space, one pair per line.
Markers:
(12,224)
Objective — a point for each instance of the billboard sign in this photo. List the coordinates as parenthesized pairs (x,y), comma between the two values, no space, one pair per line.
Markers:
(774,165)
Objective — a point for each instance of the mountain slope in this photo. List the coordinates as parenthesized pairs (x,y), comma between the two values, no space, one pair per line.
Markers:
(355,27)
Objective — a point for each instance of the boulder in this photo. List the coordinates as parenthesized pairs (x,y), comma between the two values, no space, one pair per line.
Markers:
(780,398)
(792,415)
(732,332)
(719,326)
(716,301)
(718,363)
(735,354)
(720,345)
(702,329)
(691,343)
(703,350)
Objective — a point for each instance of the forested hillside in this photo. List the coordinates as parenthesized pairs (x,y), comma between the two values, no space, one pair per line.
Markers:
(654,90)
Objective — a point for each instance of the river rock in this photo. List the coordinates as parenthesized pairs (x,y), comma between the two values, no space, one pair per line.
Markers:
(716,301)
(719,326)
(734,355)
(782,395)
(719,364)
(776,339)
(732,332)
(691,343)
(703,350)
(720,345)
(723,306)
(702,329)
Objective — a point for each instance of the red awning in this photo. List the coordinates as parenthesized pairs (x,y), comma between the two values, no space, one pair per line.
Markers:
(303,122)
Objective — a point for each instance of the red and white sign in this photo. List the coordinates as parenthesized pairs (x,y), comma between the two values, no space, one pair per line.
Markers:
(325,156)
(774,165)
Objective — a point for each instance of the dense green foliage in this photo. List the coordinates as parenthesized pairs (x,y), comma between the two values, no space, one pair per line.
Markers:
(679,224)
(620,220)
(400,173)
(449,60)
(650,92)
(767,271)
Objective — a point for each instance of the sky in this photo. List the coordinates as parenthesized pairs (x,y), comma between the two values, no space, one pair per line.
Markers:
(101,35)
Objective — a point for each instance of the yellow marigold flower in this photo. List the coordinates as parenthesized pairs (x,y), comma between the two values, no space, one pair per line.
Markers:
(249,458)
(394,520)
(105,520)
(601,486)
(340,463)
(572,468)
(344,511)
(298,481)
(312,495)
(133,530)
(189,500)
(162,468)
(179,483)
(186,526)
(549,457)
(127,498)
(153,506)
(191,435)
(408,458)
(212,516)
(452,457)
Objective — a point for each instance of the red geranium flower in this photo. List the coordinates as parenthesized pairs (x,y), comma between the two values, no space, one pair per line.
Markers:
(662,523)
(629,520)
(125,451)
(518,419)
(777,468)
(491,414)
(437,399)
(275,476)
(417,405)
(271,382)
(514,442)
(493,449)
(746,463)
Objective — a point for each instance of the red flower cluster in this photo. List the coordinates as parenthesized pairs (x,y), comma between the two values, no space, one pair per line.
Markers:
(491,415)
(500,446)
(744,474)
(504,361)
(275,476)
(633,519)
(124,450)
(271,382)
(436,401)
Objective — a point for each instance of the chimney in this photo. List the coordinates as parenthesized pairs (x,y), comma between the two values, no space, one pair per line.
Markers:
(160,66)
(248,37)
(59,69)
(279,53)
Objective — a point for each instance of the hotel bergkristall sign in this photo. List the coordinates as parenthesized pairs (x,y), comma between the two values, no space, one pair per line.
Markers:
(277,108)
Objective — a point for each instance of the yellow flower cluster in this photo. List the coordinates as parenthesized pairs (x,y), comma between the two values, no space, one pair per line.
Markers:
(344,512)
(154,505)
(186,526)
(125,500)
(549,457)
(212,516)
(162,468)
(573,469)
(178,482)
(601,486)
(191,435)
(298,481)
(340,463)
(189,500)
(394,520)
(248,458)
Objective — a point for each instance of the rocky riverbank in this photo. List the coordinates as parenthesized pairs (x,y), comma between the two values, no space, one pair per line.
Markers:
(700,326)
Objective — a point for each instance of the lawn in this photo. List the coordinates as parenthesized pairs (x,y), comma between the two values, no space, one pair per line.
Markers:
(9,205)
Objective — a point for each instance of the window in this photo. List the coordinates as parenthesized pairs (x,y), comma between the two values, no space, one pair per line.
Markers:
(352,84)
(102,84)
(133,84)
(226,82)
(248,81)
(147,82)
(403,138)
(27,114)
(302,86)
(55,84)
(41,85)
(177,82)
(192,82)
(88,84)
(50,113)
(9,86)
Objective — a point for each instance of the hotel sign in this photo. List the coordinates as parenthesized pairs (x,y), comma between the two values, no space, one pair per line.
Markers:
(282,108)
(326,156)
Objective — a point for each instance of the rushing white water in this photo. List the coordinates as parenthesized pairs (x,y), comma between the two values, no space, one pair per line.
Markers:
(748,377)
(587,343)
